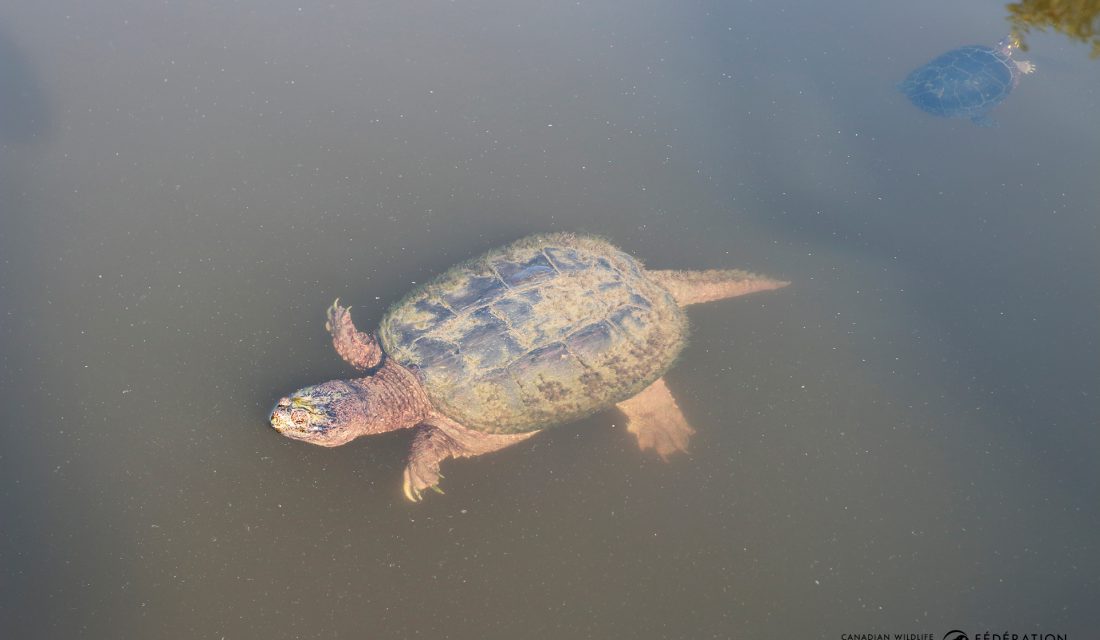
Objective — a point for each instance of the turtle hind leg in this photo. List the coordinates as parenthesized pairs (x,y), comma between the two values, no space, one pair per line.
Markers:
(694,287)
(358,348)
(656,420)
(983,120)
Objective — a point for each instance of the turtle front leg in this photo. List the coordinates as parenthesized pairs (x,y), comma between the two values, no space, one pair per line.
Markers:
(430,447)
(358,348)
(656,420)
(440,438)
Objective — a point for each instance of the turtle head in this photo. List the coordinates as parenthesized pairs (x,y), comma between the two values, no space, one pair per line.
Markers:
(328,414)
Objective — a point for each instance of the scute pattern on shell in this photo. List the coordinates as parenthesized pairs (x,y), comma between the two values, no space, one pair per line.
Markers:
(963,82)
(543,331)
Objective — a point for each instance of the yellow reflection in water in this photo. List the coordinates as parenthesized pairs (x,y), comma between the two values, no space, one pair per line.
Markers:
(1078,19)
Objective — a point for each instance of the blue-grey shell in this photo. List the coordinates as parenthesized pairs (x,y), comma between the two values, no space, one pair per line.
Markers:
(962,83)
(542,331)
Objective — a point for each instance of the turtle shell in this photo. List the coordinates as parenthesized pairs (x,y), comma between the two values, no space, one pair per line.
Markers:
(542,331)
(964,82)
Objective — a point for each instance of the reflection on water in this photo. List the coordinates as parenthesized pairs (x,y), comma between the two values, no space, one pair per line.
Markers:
(1078,19)
(903,441)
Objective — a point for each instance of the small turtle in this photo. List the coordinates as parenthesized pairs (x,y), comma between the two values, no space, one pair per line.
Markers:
(543,331)
(967,82)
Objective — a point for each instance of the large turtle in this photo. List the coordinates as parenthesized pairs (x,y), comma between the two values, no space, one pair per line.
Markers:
(967,82)
(536,333)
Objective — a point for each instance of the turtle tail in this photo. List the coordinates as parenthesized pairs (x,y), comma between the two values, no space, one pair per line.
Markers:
(695,287)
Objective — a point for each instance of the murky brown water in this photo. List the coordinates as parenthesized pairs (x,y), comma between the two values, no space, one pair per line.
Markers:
(904,441)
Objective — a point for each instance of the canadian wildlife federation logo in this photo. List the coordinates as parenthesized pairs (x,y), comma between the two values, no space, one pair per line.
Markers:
(955,634)
(960,635)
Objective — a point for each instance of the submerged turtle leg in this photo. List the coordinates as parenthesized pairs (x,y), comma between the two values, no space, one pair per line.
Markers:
(983,120)
(655,418)
(694,287)
(357,348)
(440,438)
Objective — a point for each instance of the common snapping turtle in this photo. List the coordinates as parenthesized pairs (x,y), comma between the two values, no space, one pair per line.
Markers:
(967,82)
(543,331)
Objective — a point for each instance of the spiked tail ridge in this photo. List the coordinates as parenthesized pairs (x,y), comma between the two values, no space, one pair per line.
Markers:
(695,287)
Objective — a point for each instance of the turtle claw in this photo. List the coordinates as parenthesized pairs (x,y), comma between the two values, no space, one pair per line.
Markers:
(414,484)
(411,494)
(334,311)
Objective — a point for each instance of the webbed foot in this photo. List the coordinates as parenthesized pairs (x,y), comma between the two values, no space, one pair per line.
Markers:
(666,438)
(1025,66)
(357,348)
(656,420)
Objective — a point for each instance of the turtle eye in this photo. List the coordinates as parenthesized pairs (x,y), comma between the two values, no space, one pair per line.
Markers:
(304,404)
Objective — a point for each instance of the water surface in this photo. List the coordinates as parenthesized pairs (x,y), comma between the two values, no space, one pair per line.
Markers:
(903,441)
